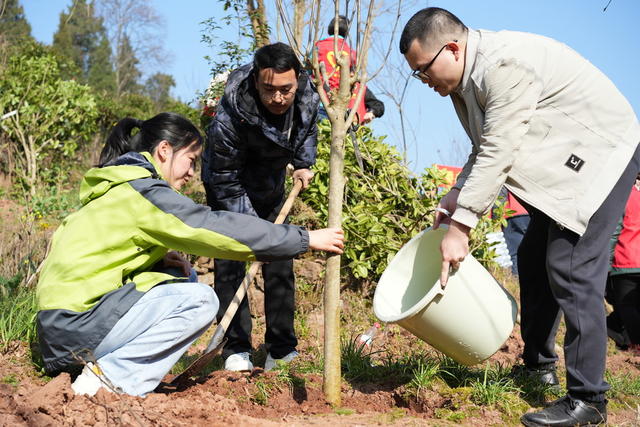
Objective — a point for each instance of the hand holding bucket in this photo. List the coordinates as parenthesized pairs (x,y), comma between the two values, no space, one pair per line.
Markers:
(454,247)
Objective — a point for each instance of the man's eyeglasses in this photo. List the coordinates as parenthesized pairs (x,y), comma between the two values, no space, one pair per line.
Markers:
(421,74)
(284,93)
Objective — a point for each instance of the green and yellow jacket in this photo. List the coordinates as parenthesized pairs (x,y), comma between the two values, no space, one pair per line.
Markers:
(102,257)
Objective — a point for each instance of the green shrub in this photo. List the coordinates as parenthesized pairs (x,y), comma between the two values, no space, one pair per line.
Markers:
(53,115)
(18,308)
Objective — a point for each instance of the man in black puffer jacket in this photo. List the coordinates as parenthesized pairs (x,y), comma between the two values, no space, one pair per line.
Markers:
(266,119)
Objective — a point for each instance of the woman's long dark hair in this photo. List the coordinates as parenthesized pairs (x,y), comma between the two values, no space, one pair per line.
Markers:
(171,127)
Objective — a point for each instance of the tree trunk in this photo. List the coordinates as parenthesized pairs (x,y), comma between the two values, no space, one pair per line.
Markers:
(258,16)
(300,7)
(332,368)
(32,166)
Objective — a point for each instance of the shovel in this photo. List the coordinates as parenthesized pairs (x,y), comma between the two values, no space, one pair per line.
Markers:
(217,343)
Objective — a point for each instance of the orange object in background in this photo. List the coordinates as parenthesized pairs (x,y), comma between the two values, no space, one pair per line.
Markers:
(327,55)
(514,205)
(452,174)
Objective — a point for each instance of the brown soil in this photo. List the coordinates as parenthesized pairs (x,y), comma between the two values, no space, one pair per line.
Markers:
(256,398)
(224,398)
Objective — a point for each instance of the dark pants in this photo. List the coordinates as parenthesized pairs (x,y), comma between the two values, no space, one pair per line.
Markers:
(561,272)
(625,298)
(279,302)
(513,235)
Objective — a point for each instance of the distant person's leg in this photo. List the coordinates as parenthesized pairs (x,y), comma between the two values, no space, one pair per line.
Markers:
(513,235)
(279,301)
(626,302)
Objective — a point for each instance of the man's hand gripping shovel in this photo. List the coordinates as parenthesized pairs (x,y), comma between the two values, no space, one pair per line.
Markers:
(217,342)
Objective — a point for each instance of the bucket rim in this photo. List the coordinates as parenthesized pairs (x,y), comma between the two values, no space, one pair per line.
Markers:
(435,290)
(427,299)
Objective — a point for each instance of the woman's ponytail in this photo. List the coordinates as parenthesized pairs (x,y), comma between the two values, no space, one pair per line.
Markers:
(120,140)
(178,131)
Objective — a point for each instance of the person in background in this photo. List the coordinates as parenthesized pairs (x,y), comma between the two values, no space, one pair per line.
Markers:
(517,224)
(553,129)
(112,294)
(265,120)
(623,287)
(373,106)
(370,107)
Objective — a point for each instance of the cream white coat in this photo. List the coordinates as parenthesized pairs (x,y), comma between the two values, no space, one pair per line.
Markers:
(543,121)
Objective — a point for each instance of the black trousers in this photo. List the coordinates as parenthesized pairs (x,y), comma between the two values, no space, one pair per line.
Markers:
(625,299)
(279,302)
(561,272)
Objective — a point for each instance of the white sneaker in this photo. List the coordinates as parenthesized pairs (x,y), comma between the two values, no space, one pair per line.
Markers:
(238,362)
(270,363)
(90,380)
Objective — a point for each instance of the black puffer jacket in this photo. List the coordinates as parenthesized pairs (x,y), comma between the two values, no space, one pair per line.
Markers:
(243,166)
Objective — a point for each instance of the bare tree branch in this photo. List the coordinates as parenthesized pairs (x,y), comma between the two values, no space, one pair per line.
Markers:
(138,22)
(391,39)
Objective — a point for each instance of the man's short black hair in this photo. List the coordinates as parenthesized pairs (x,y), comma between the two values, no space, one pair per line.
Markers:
(343,26)
(278,56)
(430,23)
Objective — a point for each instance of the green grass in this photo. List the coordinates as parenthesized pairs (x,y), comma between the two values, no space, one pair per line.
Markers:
(345,411)
(186,360)
(455,374)
(10,379)
(263,391)
(394,415)
(424,374)
(496,388)
(310,365)
(302,327)
(54,204)
(357,362)
(623,384)
(285,376)
(18,308)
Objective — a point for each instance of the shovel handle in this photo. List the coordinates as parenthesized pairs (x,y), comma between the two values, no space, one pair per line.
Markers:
(286,207)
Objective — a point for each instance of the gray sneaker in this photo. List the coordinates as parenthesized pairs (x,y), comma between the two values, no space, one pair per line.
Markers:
(270,363)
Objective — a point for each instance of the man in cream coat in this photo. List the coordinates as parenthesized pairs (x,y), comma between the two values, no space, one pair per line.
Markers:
(557,133)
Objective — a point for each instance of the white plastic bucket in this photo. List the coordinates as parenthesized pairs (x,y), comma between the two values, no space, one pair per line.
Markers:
(468,321)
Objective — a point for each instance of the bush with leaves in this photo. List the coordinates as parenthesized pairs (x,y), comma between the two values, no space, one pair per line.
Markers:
(385,205)
(51,116)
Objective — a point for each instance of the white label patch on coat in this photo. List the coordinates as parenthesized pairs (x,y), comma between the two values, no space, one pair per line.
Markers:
(574,163)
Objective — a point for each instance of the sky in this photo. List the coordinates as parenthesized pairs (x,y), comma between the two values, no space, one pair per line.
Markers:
(609,39)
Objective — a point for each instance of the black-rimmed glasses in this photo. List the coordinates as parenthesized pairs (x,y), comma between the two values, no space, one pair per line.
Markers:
(421,74)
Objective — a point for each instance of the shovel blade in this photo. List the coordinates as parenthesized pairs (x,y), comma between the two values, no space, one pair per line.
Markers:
(198,365)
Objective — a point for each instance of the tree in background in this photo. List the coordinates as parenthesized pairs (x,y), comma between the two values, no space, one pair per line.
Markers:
(101,75)
(135,32)
(258,17)
(158,88)
(127,71)
(253,33)
(82,37)
(13,24)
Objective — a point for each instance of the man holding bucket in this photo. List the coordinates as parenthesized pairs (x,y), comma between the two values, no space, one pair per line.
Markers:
(558,134)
